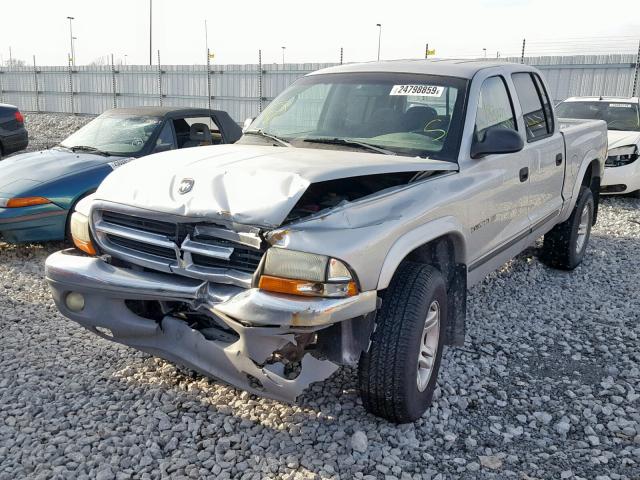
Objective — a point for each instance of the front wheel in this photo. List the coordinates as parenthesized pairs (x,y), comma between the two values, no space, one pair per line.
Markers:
(397,376)
(565,245)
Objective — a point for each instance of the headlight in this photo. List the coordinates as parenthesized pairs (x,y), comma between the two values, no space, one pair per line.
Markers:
(23,202)
(81,234)
(621,156)
(308,274)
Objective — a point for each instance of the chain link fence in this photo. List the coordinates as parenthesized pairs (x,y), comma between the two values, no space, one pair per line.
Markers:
(243,90)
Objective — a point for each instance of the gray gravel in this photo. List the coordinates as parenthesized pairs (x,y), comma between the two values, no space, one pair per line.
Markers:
(48,129)
(547,386)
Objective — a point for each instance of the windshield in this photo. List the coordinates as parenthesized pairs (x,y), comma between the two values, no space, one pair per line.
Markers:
(618,115)
(397,114)
(114,134)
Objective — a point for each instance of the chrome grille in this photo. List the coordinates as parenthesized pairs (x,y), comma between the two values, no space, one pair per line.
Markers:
(201,251)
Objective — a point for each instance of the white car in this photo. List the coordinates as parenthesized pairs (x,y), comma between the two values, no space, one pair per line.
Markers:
(622,170)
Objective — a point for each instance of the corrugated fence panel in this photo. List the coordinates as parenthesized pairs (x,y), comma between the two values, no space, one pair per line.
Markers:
(236,88)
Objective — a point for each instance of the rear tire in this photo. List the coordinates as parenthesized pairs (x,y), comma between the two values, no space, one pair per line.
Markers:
(398,374)
(565,245)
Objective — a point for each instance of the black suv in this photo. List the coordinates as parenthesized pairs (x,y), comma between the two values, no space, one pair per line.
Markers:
(13,135)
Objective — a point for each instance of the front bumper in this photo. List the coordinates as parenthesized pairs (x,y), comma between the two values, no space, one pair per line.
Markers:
(620,180)
(265,323)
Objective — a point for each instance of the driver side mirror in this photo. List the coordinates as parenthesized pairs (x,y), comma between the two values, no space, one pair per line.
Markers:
(247,123)
(497,140)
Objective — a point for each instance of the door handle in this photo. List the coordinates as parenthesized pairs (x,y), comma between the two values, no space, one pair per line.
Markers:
(559,159)
(524,174)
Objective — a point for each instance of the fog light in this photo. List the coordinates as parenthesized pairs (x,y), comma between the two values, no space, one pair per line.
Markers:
(75,301)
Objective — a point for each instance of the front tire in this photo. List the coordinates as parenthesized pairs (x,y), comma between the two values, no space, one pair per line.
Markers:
(565,245)
(398,374)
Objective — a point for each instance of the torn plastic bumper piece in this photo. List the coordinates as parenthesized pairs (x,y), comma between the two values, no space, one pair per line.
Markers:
(264,322)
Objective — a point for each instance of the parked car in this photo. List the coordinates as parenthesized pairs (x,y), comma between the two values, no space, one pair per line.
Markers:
(622,114)
(343,228)
(13,135)
(38,190)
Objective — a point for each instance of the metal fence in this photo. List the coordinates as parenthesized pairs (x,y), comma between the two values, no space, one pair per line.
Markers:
(243,90)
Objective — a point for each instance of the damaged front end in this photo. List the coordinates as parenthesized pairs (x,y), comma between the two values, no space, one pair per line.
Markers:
(213,328)
(191,288)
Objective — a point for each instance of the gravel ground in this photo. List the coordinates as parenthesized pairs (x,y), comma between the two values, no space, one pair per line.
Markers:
(48,129)
(547,386)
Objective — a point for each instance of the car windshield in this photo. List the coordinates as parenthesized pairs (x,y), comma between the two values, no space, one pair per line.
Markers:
(618,115)
(388,113)
(114,134)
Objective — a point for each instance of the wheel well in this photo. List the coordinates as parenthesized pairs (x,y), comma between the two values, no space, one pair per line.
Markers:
(591,180)
(442,254)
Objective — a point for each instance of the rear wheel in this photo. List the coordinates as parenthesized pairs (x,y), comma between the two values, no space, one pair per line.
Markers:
(397,376)
(564,246)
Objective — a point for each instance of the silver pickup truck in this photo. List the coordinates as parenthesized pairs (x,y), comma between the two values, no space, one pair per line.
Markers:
(344,228)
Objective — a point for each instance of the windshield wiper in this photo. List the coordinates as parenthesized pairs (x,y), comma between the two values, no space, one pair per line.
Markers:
(350,143)
(85,148)
(261,133)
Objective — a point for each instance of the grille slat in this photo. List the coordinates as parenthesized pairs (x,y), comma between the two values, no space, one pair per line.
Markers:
(142,247)
(144,224)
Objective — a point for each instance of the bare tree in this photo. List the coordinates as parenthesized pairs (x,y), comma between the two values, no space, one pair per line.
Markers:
(15,62)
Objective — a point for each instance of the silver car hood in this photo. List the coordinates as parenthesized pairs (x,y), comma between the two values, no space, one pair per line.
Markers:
(255,185)
(621,138)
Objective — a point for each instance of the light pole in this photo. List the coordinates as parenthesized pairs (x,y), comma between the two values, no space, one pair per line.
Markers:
(283,49)
(150,31)
(379,25)
(485,52)
(125,58)
(73,56)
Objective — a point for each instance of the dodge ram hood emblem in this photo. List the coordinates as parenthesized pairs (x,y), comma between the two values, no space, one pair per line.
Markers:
(186,185)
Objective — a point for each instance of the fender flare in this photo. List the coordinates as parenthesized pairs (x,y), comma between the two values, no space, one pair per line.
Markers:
(587,160)
(417,237)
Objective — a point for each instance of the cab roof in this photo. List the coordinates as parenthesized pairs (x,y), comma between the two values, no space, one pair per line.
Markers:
(604,99)
(168,112)
(445,67)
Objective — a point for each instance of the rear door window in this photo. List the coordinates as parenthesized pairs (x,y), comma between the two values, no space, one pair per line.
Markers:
(538,123)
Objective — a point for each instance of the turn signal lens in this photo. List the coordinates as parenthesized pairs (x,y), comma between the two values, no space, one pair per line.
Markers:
(80,233)
(306,288)
(26,202)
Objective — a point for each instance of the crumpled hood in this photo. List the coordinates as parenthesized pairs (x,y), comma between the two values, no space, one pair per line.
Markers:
(256,185)
(34,168)
(619,138)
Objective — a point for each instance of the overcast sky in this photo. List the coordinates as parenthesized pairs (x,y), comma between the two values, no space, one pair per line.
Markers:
(313,31)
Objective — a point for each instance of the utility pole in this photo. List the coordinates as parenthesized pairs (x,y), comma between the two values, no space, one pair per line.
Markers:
(259,80)
(341,54)
(283,49)
(426,51)
(73,55)
(206,39)
(379,25)
(150,31)
(524,42)
(635,77)
(10,58)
